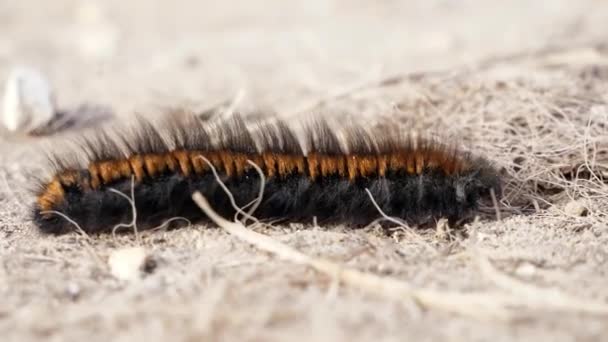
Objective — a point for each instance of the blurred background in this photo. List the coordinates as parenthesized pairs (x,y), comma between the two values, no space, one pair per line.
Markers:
(276,54)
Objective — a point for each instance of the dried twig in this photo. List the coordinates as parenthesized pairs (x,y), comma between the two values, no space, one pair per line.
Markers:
(481,305)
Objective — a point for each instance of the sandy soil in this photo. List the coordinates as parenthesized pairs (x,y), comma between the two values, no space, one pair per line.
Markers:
(522,83)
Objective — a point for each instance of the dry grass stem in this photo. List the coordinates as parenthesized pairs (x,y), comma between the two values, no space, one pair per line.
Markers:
(479,306)
(133,223)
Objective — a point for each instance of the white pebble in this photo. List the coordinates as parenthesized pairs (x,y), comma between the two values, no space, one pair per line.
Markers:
(28,102)
(576,208)
(128,263)
(73,290)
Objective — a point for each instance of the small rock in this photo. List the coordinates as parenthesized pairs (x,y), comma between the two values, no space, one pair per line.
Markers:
(73,291)
(576,208)
(28,102)
(130,263)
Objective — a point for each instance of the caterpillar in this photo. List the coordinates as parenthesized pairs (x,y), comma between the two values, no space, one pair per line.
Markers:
(154,168)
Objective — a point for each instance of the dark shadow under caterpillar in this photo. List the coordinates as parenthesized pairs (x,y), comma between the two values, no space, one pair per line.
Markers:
(316,175)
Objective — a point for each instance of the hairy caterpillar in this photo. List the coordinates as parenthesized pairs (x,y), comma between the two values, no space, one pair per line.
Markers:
(317,174)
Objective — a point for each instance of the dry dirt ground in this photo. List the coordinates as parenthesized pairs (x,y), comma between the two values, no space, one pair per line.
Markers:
(523,83)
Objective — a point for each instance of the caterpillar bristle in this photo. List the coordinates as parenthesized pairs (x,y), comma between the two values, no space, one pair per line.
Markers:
(321,174)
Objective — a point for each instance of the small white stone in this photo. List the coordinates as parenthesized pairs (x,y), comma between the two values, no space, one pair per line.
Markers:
(128,263)
(73,290)
(28,102)
(576,208)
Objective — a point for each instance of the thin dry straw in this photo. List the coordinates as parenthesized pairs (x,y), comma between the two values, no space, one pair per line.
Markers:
(256,203)
(482,306)
(496,206)
(133,223)
(476,305)
(228,193)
